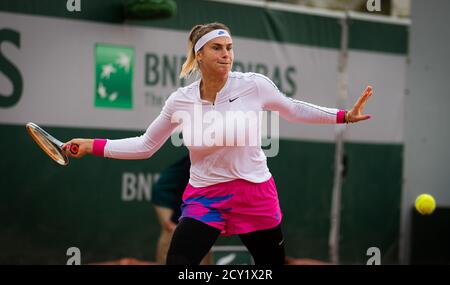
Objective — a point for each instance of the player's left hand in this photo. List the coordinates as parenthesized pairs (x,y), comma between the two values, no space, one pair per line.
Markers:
(355,114)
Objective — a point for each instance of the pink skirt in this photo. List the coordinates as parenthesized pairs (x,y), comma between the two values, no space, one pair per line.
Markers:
(234,207)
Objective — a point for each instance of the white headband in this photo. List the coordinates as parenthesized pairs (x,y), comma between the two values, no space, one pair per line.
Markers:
(209,36)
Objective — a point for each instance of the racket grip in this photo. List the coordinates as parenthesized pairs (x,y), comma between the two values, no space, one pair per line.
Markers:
(74,148)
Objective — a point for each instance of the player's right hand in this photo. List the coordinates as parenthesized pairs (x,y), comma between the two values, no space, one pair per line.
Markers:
(84,147)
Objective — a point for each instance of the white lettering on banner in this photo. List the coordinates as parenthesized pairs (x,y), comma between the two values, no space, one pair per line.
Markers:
(73,5)
(137,186)
(373,5)
(75,256)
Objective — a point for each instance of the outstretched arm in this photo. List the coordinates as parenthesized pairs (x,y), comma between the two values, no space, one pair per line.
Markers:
(130,148)
(299,111)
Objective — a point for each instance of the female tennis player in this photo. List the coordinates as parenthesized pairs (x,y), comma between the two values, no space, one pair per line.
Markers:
(231,190)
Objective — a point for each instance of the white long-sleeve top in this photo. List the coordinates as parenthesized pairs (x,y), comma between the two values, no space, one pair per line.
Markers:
(213,162)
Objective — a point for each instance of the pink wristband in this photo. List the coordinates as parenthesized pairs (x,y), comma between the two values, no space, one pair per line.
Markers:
(98,147)
(340,117)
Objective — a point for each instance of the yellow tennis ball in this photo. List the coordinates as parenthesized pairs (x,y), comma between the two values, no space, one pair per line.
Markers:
(425,204)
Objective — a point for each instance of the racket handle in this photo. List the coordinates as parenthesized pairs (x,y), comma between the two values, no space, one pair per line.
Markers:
(74,148)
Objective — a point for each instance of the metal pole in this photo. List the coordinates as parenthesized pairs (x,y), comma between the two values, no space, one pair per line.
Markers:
(335,218)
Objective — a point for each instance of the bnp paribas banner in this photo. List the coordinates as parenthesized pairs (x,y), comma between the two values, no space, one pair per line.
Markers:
(114,76)
(70,73)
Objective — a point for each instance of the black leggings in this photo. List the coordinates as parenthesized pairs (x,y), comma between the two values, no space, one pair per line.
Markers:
(193,239)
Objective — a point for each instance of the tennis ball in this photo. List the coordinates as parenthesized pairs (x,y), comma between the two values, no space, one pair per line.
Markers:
(425,204)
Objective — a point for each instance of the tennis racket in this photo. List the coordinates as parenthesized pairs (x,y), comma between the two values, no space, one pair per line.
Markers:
(50,145)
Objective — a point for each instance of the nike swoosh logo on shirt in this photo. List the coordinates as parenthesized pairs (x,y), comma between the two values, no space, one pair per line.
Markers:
(231,100)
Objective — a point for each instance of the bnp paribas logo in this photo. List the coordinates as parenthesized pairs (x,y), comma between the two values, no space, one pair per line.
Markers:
(114,76)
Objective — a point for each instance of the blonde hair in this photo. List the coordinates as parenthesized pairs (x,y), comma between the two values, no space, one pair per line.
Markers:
(198,31)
